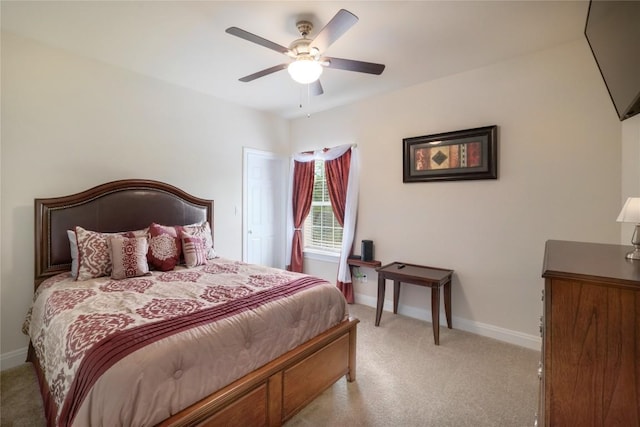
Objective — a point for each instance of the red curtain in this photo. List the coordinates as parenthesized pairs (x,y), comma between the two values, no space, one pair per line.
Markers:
(301,201)
(337,173)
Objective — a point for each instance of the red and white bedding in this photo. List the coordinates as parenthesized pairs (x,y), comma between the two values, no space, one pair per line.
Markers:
(135,351)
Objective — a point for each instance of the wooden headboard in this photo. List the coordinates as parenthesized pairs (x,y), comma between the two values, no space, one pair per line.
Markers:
(124,205)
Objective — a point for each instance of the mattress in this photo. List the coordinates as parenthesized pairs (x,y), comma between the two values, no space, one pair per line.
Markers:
(133,352)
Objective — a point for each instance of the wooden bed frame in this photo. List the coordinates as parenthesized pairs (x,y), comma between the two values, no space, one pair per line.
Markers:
(269,395)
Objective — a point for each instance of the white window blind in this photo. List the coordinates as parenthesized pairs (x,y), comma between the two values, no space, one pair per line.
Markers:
(321,229)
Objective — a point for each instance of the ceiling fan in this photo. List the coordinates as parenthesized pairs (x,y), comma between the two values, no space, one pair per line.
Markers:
(307,54)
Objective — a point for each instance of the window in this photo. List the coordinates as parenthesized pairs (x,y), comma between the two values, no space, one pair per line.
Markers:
(321,229)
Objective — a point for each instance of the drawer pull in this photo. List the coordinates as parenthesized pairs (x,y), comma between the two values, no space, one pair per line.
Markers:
(540,370)
(541,325)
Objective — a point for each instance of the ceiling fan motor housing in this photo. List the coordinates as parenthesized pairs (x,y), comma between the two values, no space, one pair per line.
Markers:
(304,28)
(302,47)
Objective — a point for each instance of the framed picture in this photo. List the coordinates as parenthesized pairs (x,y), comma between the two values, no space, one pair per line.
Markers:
(450,156)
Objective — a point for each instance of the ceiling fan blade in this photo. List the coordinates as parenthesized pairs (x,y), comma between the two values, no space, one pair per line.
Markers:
(235,31)
(352,65)
(315,88)
(339,24)
(263,73)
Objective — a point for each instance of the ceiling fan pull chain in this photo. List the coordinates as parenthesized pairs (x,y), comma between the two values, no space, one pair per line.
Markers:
(301,95)
(302,104)
(308,99)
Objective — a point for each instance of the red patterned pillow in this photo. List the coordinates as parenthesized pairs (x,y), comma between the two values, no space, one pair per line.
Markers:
(203,231)
(128,256)
(194,249)
(164,246)
(93,254)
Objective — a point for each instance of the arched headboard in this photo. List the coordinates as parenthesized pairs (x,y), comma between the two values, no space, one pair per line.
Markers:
(124,205)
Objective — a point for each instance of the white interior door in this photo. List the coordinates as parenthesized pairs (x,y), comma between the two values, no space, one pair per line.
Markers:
(265,178)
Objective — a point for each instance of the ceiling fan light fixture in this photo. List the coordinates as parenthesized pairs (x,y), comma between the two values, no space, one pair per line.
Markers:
(305,70)
(306,54)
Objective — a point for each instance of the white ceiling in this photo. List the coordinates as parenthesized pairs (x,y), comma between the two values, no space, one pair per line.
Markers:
(185,43)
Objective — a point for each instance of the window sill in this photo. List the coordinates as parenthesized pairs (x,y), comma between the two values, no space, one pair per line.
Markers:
(321,255)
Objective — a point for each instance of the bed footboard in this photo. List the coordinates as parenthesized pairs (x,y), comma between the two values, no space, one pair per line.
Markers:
(274,393)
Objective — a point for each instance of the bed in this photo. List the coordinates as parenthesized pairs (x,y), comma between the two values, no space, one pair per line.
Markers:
(239,344)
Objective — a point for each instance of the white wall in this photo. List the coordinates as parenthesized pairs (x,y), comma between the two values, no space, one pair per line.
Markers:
(559,178)
(70,123)
(630,169)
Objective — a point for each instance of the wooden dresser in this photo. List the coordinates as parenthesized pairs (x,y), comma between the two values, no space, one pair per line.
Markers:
(590,369)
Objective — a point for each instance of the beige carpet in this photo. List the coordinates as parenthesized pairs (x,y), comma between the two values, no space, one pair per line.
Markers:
(403,379)
(20,396)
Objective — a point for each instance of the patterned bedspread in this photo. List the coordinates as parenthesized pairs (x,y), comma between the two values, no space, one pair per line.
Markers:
(81,329)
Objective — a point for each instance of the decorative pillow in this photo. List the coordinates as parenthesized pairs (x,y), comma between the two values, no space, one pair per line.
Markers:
(128,256)
(203,230)
(164,246)
(137,233)
(194,249)
(73,246)
(93,254)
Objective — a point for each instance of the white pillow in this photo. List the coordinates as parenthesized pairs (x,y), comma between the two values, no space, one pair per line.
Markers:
(73,245)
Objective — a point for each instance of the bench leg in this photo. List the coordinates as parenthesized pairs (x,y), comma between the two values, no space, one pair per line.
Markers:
(435,313)
(447,303)
(396,295)
(381,289)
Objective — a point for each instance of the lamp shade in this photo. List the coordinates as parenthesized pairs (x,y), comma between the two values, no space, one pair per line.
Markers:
(630,211)
(305,70)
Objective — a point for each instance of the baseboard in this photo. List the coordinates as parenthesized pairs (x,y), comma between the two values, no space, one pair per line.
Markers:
(513,337)
(13,358)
